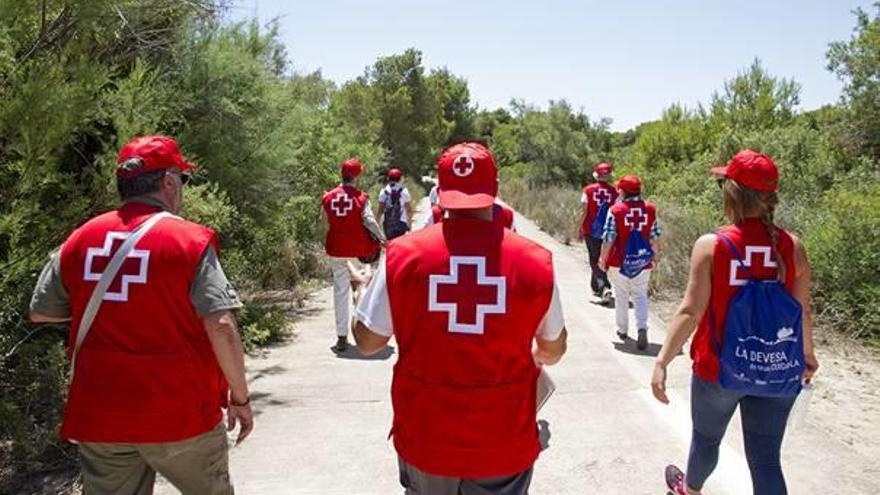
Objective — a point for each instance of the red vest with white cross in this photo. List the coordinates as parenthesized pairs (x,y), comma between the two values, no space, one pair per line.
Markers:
(347,236)
(630,216)
(146,372)
(753,243)
(467,297)
(500,214)
(597,193)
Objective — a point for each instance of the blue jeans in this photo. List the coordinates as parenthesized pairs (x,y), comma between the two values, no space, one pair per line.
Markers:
(763,424)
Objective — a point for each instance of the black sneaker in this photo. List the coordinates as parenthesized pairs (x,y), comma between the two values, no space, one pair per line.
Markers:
(607,297)
(622,336)
(341,345)
(642,342)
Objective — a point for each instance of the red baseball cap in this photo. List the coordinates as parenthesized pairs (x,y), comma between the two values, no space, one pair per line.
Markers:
(395,174)
(351,168)
(630,184)
(751,169)
(467,176)
(603,169)
(148,154)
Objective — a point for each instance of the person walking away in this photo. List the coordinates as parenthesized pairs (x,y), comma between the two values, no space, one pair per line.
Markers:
(748,295)
(597,199)
(467,300)
(395,206)
(630,243)
(154,347)
(353,237)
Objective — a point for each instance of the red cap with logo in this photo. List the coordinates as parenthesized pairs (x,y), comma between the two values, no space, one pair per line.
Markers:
(751,169)
(630,184)
(148,154)
(351,168)
(467,176)
(603,169)
(395,174)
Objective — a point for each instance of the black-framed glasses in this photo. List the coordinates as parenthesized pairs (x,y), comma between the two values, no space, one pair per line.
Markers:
(184,178)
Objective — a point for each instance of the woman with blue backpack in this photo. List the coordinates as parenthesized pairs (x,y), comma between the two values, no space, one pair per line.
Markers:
(748,300)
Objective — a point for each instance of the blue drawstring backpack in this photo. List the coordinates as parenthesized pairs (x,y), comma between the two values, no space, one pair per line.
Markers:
(598,226)
(636,255)
(763,351)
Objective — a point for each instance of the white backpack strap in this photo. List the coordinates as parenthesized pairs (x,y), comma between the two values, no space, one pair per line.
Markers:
(107,277)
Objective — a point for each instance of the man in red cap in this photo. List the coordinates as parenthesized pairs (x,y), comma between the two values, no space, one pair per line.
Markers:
(154,346)
(597,199)
(629,221)
(395,206)
(353,237)
(467,300)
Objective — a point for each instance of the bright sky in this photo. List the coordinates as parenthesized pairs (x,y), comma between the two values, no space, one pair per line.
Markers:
(627,60)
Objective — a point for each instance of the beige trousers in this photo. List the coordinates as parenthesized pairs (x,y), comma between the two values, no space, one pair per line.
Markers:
(195,466)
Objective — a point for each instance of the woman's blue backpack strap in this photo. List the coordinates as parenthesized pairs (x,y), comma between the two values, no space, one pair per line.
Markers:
(762,352)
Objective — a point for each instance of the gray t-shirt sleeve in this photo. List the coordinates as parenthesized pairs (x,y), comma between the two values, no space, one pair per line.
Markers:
(50,297)
(211,291)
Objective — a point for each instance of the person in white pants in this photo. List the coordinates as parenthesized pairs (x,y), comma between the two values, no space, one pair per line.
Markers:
(630,289)
(348,274)
(630,216)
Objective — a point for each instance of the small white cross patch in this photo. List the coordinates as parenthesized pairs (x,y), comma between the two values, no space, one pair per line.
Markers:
(467,295)
(765,253)
(106,252)
(341,204)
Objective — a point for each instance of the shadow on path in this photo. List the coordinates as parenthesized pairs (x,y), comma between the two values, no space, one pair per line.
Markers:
(629,347)
(353,353)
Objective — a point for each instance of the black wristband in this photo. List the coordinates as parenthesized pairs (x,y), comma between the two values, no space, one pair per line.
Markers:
(239,404)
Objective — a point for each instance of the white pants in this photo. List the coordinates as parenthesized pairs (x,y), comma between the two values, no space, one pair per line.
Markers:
(626,288)
(343,269)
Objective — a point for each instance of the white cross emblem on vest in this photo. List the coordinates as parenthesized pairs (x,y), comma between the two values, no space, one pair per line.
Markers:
(135,272)
(341,204)
(468,296)
(601,196)
(636,219)
(765,253)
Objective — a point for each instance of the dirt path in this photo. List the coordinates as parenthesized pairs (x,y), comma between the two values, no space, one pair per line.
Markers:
(323,420)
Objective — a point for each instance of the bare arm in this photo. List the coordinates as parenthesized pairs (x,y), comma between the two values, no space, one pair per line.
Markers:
(801,292)
(368,342)
(549,352)
(41,318)
(687,317)
(222,331)
(603,256)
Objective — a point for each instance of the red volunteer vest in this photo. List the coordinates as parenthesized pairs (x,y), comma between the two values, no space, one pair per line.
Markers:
(146,371)
(467,297)
(596,193)
(751,240)
(347,236)
(630,216)
(500,214)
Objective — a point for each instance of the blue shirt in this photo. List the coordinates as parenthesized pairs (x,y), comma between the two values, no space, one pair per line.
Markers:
(609,232)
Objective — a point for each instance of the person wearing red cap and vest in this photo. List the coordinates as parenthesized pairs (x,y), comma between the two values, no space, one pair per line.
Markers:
(466,300)
(395,206)
(154,345)
(748,184)
(353,237)
(597,197)
(629,215)
(500,214)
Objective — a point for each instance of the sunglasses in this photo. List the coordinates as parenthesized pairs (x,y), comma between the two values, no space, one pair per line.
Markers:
(184,178)
(721,181)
